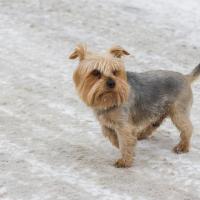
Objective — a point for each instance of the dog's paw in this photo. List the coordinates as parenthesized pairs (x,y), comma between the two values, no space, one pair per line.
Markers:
(121,163)
(181,148)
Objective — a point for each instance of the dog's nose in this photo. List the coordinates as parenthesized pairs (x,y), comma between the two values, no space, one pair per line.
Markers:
(110,83)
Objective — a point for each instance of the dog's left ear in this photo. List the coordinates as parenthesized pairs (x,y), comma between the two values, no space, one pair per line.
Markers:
(79,52)
(118,51)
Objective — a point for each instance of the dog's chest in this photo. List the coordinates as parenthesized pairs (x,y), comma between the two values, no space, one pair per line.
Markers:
(110,119)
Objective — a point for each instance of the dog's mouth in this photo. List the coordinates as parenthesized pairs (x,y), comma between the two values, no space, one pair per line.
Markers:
(106,93)
(106,99)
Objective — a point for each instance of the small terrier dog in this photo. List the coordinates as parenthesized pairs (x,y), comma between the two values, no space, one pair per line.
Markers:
(129,105)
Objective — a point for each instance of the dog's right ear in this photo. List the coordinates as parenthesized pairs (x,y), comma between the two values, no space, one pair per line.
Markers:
(79,52)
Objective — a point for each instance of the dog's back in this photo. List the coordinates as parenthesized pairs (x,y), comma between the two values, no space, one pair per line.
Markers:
(155,91)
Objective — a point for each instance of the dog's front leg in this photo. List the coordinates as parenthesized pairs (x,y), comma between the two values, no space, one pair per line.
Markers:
(127,141)
(111,135)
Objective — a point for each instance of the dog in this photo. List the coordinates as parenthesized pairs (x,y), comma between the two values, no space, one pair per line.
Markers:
(129,105)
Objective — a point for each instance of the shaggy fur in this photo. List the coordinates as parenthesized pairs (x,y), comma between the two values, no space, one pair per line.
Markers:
(130,106)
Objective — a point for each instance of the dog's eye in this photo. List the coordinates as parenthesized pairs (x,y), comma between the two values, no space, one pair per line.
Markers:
(96,73)
(115,72)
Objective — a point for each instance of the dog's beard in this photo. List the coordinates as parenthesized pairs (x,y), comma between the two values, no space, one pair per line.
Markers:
(101,98)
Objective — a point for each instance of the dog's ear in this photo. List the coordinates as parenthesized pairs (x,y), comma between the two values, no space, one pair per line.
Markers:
(79,52)
(118,51)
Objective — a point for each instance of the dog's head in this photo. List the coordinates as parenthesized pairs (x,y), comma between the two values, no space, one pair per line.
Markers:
(101,80)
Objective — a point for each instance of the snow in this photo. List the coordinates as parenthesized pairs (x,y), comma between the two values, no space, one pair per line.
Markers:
(51,146)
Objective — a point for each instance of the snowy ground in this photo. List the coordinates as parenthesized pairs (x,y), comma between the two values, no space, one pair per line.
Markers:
(51,147)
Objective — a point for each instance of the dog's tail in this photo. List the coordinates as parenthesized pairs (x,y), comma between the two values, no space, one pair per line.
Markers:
(195,74)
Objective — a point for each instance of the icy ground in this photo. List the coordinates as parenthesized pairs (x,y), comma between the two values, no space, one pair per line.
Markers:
(51,147)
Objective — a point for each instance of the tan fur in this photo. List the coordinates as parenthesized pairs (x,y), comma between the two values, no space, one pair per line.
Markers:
(92,90)
(111,135)
(79,52)
(180,116)
(118,51)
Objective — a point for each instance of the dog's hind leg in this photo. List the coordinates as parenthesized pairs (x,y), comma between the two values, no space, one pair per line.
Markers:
(182,121)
